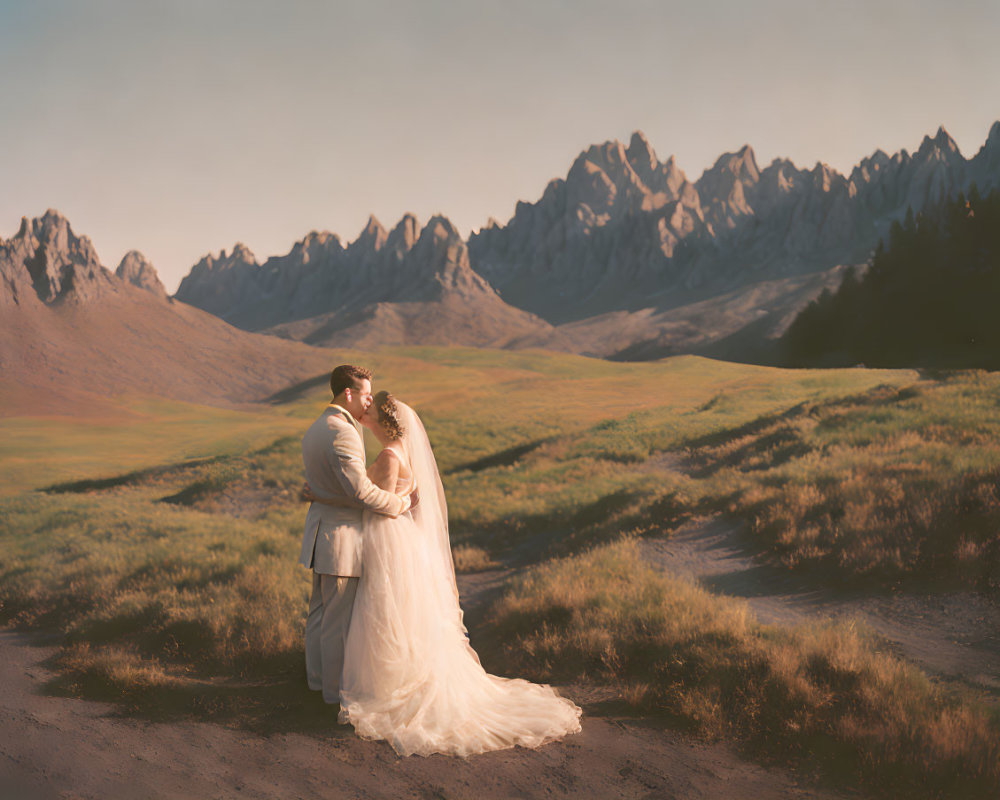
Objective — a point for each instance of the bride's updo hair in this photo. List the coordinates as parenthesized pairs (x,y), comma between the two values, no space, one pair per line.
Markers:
(388,415)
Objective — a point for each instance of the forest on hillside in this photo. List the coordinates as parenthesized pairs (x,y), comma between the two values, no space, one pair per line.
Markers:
(930,297)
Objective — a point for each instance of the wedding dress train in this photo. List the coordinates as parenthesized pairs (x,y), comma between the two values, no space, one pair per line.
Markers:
(410,676)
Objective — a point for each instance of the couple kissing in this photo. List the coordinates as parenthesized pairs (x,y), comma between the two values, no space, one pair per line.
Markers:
(384,633)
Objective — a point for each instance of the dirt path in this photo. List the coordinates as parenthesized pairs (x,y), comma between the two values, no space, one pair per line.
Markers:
(54,747)
(953,635)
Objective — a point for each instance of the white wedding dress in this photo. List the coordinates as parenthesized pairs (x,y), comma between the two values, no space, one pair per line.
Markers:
(410,676)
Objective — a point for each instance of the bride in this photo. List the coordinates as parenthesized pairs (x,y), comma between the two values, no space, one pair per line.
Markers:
(410,676)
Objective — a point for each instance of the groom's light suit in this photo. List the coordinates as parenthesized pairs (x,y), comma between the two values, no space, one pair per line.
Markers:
(333,452)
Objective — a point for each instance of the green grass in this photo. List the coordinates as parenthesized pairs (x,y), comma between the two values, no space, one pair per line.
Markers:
(166,544)
(40,451)
(892,485)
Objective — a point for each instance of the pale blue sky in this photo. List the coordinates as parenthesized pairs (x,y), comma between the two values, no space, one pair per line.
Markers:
(180,128)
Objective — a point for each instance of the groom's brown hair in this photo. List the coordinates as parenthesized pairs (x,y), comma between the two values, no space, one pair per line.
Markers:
(347,376)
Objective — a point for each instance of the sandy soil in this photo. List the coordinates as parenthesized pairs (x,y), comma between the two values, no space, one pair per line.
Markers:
(953,635)
(54,747)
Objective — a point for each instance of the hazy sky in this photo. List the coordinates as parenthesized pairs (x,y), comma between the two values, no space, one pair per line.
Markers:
(179,128)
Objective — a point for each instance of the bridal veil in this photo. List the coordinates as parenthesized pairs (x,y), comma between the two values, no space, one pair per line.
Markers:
(410,676)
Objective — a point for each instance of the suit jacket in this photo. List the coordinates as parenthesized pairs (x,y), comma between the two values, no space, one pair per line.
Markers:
(334,456)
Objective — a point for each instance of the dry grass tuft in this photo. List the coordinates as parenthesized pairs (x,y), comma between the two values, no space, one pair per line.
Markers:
(821,697)
(469,558)
(888,486)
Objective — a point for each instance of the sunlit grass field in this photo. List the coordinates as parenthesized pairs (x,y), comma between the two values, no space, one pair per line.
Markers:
(40,451)
(164,544)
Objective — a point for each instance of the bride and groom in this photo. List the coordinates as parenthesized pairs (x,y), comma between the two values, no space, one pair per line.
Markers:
(384,634)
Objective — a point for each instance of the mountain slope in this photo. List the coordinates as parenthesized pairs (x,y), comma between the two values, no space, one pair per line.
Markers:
(77,336)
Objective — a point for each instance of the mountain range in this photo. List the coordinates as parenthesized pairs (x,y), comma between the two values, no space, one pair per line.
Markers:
(403,286)
(624,257)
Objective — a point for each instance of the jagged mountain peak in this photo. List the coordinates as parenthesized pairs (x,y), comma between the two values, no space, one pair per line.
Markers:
(746,160)
(241,256)
(994,134)
(723,187)
(54,262)
(741,165)
(321,238)
(24,229)
(133,260)
(440,227)
(781,164)
(780,176)
(402,237)
(241,253)
(943,139)
(878,159)
(640,153)
(990,150)
(825,177)
(371,238)
(439,245)
(609,156)
(136,269)
(870,167)
(373,228)
(316,244)
(940,143)
(54,229)
(51,220)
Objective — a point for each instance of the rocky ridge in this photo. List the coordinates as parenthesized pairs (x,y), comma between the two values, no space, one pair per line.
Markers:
(323,291)
(625,231)
(45,262)
(607,259)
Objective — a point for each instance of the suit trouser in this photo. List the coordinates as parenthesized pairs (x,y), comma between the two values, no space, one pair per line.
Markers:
(326,632)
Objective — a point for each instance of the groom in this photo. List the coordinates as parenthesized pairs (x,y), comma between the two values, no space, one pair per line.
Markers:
(334,455)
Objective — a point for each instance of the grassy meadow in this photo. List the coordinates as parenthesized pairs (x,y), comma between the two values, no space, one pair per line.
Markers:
(164,544)
(146,434)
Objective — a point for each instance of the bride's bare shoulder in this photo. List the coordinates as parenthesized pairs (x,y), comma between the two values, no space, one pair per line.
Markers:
(394,450)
